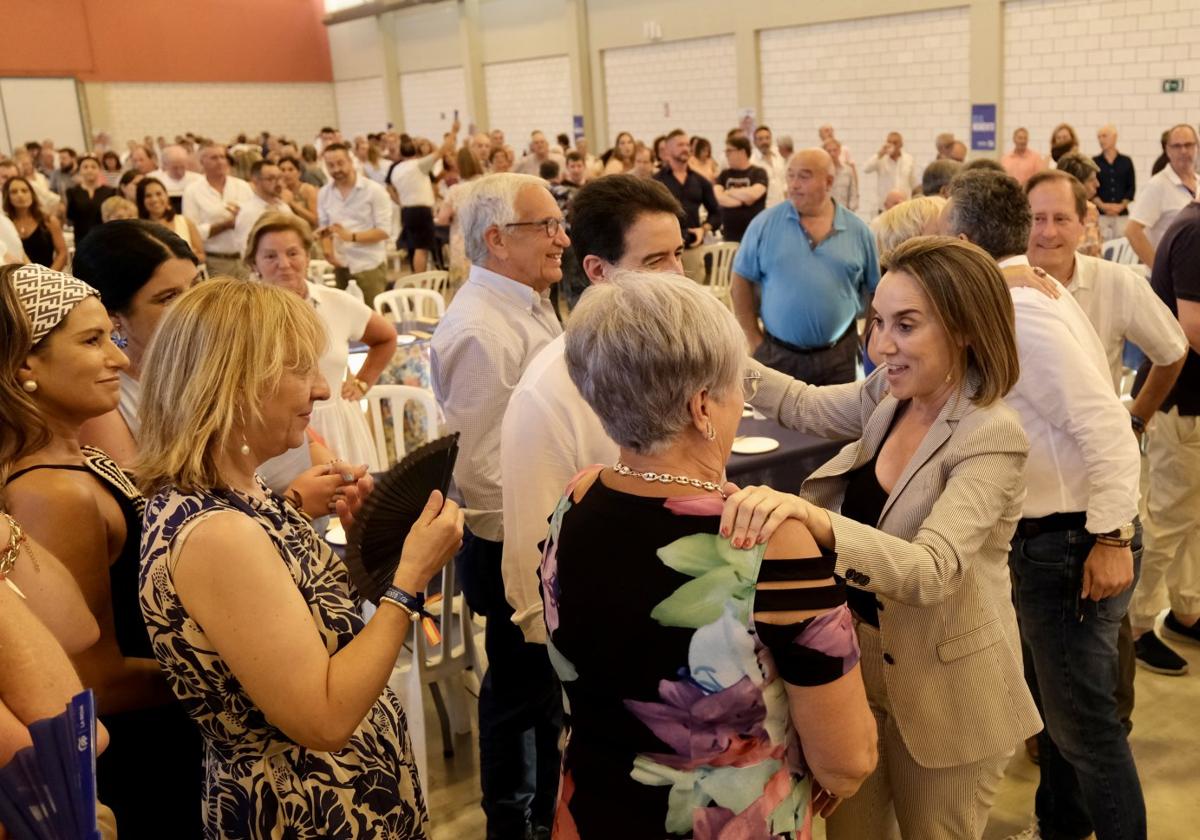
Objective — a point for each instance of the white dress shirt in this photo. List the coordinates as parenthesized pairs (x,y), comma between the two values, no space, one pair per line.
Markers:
(1158,201)
(176,188)
(776,168)
(11,249)
(549,434)
(366,207)
(893,174)
(249,213)
(1083,455)
(207,207)
(410,179)
(1120,304)
(492,330)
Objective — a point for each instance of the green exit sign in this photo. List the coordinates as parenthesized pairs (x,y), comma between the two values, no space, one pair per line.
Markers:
(1172,86)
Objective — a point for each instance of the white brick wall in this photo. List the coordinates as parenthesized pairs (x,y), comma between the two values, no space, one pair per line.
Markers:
(527,95)
(906,73)
(217,109)
(430,99)
(361,106)
(689,84)
(1092,62)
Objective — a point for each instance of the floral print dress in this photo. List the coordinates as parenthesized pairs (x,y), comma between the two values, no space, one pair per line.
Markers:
(679,718)
(260,784)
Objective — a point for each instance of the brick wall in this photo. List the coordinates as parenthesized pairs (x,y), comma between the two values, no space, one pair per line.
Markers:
(361,106)
(905,73)
(430,99)
(688,84)
(527,95)
(220,109)
(1092,62)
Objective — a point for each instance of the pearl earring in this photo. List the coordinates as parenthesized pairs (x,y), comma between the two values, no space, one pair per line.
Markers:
(245,448)
(29,385)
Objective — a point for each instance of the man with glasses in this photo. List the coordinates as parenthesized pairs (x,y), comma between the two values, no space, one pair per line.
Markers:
(501,318)
(1166,194)
(741,189)
(266,195)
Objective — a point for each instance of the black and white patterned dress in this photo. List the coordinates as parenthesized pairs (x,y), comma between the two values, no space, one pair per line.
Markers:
(260,784)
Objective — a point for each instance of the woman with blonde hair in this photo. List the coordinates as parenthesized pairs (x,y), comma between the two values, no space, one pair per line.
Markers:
(921,509)
(469,170)
(915,217)
(252,616)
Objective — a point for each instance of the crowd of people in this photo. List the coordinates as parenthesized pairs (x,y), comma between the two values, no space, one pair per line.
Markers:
(977,571)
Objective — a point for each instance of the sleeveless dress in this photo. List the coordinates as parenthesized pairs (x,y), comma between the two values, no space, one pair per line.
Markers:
(261,784)
(39,246)
(154,755)
(679,718)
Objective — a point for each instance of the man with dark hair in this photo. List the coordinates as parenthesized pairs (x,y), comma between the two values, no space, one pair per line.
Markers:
(693,191)
(577,174)
(409,178)
(936,178)
(1168,192)
(772,161)
(141,159)
(266,188)
(1073,555)
(65,176)
(355,217)
(549,432)
(741,189)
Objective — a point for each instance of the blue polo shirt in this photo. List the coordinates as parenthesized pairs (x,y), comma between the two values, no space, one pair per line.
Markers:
(809,296)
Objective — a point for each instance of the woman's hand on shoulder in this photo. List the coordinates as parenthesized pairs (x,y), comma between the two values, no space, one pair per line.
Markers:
(431,543)
(752,514)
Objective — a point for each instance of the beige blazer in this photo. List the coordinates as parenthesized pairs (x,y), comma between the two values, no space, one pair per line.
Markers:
(937,563)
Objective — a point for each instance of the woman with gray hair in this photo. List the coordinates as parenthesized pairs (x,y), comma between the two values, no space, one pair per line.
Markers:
(727,692)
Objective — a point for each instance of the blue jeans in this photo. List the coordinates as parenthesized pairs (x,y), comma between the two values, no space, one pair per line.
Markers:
(1088,778)
(520,706)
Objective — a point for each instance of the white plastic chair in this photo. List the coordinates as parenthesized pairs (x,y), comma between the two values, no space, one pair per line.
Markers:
(718,276)
(320,272)
(405,304)
(398,396)
(438,281)
(1119,251)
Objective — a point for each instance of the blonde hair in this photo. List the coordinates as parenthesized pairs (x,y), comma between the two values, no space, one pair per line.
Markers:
(219,351)
(276,223)
(904,221)
(115,204)
(972,302)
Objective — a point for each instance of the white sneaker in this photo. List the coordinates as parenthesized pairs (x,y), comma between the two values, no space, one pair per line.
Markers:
(1031,833)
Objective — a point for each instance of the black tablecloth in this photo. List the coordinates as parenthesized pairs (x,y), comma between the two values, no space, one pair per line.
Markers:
(784,468)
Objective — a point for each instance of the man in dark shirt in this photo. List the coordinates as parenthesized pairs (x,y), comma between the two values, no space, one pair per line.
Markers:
(741,189)
(691,190)
(1118,183)
(1171,558)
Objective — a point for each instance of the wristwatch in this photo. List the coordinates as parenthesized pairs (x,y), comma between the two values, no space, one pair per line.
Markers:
(1119,537)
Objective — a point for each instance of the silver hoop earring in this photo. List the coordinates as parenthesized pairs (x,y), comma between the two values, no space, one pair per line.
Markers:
(29,386)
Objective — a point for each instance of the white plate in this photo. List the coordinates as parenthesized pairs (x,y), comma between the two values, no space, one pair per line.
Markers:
(755,445)
(336,535)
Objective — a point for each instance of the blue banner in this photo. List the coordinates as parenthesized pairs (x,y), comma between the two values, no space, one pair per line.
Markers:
(983,128)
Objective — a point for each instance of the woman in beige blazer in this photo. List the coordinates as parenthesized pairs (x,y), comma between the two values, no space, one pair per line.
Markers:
(920,509)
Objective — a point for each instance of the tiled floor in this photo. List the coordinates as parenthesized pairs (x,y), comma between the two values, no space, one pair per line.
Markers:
(1166,743)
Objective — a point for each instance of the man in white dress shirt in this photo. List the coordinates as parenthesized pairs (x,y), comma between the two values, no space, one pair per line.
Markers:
(550,433)
(770,159)
(212,201)
(355,215)
(1073,555)
(1168,192)
(896,171)
(175,175)
(266,194)
(514,235)
(410,179)
(540,151)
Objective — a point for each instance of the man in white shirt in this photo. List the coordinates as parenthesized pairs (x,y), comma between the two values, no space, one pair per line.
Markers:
(355,215)
(896,171)
(770,159)
(1166,194)
(825,132)
(1073,555)
(540,151)
(175,175)
(409,178)
(549,432)
(500,319)
(212,201)
(266,196)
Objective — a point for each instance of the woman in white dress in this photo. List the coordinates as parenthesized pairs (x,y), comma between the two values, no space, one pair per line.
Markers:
(277,252)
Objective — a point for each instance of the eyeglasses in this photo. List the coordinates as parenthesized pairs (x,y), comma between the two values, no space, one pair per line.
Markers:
(750,382)
(550,226)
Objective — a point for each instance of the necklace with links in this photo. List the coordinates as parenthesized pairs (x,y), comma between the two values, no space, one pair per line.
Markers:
(666,478)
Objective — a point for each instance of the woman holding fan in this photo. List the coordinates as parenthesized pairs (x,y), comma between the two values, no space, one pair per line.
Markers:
(286,682)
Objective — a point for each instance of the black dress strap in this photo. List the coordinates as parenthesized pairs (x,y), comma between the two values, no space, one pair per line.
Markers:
(77,467)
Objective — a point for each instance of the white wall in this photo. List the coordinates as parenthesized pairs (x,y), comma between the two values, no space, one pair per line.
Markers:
(133,110)
(905,73)
(430,99)
(527,95)
(361,106)
(688,84)
(1092,62)
(34,109)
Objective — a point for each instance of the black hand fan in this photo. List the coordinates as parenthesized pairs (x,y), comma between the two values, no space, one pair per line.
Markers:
(377,534)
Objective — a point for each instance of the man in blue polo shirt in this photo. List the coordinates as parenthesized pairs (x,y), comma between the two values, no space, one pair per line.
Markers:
(809,259)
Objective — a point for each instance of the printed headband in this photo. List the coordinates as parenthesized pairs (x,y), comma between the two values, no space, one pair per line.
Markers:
(48,296)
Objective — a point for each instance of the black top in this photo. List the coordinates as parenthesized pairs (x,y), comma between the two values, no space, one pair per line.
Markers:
(1118,181)
(864,502)
(83,210)
(735,220)
(1175,278)
(693,192)
(39,246)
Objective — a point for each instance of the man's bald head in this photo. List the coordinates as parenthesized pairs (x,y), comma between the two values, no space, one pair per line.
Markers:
(816,159)
(810,176)
(1107,135)
(175,161)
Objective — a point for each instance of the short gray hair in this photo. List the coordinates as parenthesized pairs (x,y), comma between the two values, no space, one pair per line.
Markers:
(939,174)
(489,203)
(641,345)
(990,209)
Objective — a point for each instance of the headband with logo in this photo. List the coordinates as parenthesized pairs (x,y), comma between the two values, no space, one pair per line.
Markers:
(48,296)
